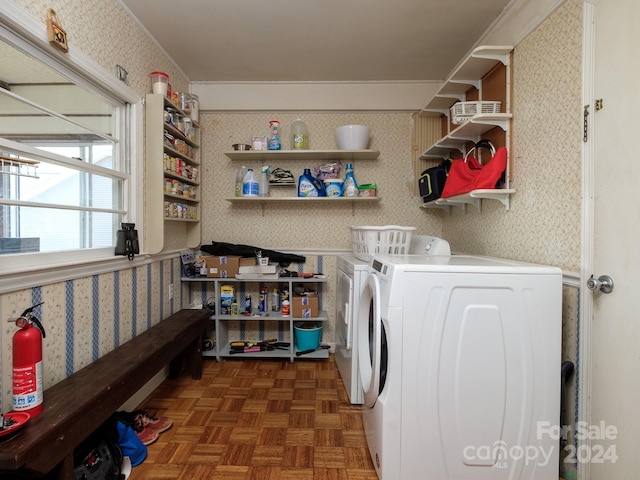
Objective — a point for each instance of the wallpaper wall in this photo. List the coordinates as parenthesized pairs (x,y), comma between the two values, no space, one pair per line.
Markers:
(543,222)
(89,316)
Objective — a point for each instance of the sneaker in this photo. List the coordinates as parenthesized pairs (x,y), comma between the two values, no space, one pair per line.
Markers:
(147,436)
(144,421)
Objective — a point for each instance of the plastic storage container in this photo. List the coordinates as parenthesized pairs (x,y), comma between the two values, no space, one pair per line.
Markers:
(367,241)
(159,83)
(333,187)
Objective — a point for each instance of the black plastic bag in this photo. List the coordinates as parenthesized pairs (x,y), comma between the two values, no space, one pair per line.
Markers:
(221,249)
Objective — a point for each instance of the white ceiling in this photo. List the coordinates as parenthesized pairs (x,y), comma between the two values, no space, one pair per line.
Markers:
(316,40)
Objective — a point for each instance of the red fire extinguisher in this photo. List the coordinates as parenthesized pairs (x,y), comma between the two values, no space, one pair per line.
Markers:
(27,363)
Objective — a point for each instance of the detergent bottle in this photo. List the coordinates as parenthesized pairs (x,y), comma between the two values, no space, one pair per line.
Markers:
(349,186)
(309,186)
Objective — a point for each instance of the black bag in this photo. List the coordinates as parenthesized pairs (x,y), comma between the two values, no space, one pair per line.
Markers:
(99,457)
(127,241)
(222,248)
(432,181)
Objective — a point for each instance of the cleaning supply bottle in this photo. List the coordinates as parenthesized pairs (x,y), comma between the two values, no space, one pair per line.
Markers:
(275,300)
(349,186)
(299,135)
(242,171)
(250,186)
(264,181)
(274,140)
(309,186)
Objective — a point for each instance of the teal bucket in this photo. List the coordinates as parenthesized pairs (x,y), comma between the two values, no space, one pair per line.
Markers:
(307,335)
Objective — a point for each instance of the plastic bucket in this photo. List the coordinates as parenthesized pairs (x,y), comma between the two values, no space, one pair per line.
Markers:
(307,335)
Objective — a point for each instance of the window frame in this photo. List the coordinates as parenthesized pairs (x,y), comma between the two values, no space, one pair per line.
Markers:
(29,35)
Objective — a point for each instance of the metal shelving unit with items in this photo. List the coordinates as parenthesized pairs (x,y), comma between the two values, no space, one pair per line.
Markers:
(259,326)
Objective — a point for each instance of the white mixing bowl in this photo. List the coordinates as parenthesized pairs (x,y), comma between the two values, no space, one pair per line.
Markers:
(353,137)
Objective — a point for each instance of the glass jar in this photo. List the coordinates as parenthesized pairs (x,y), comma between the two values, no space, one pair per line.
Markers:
(184,102)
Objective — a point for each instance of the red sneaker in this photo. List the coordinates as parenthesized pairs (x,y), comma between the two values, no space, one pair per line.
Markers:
(147,436)
(144,421)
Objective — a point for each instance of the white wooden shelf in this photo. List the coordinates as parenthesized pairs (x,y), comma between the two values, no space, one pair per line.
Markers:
(306,155)
(303,199)
(469,73)
(155,176)
(467,132)
(472,198)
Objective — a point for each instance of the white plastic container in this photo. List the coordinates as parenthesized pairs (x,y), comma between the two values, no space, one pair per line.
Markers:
(353,137)
(299,135)
(250,185)
(333,187)
(159,83)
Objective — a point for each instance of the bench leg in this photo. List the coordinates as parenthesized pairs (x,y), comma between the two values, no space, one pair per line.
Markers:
(62,471)
(193,356)
(195,360)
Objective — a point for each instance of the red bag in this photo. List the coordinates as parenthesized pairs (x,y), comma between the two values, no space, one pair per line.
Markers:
(467,174)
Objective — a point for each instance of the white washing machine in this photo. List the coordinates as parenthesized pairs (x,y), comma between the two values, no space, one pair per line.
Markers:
(459,358)
(351,284)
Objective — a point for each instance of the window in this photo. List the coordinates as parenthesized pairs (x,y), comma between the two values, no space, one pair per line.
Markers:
(64,163)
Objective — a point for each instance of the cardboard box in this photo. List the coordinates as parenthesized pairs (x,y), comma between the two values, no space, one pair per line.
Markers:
(247,261)
(367,190)
(305,306)
(222,267)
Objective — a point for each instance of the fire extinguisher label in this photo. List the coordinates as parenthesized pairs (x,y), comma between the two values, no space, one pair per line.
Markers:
(27,386)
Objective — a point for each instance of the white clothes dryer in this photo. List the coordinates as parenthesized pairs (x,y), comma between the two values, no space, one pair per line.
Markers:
(459,359)
(351,284)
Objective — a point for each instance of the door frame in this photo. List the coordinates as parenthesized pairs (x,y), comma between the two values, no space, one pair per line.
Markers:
(588,228)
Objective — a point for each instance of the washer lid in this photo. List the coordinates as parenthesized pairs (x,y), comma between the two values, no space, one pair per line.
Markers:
(457,264)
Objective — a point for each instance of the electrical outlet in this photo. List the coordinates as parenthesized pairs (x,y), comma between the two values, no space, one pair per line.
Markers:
(171,291)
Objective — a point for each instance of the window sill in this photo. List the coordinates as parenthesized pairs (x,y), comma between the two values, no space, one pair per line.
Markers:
(15,279)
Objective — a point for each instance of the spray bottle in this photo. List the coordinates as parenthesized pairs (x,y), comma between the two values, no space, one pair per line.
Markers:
(274,140)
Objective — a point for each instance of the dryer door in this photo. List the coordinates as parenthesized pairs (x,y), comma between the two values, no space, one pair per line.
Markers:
(370,342)
(344,311)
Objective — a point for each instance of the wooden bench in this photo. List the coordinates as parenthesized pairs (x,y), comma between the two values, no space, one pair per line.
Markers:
(79,404)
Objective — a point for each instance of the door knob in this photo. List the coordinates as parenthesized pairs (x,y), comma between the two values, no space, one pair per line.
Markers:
(604,283)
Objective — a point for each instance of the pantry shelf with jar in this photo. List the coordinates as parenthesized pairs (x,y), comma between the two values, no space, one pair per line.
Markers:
(172,171)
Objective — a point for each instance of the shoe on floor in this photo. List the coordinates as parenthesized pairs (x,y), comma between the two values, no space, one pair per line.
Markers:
(147,436)
(159,424)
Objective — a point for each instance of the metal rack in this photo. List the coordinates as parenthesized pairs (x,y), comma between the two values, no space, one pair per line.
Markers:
(18,166)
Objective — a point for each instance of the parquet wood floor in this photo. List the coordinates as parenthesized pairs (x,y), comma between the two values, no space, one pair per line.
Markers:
(258,420)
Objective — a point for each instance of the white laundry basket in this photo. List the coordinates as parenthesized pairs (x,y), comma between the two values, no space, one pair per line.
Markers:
(369,240)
